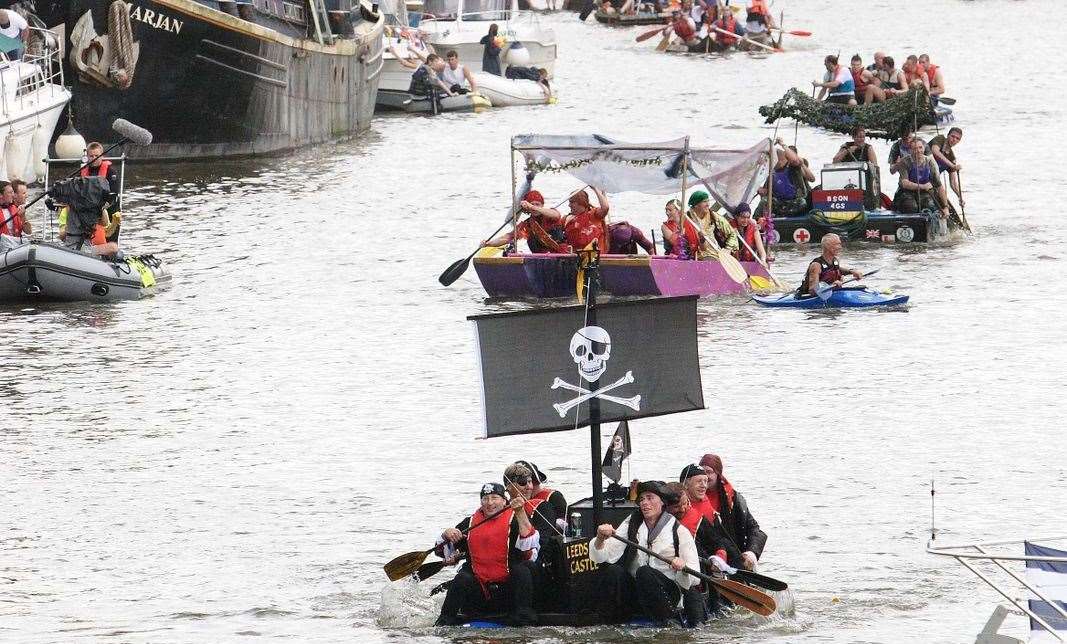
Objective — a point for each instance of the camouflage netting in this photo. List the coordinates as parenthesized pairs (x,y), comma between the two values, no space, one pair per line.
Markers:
(886,120)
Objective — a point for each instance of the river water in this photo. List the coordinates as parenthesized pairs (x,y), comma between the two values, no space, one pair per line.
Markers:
(239,455)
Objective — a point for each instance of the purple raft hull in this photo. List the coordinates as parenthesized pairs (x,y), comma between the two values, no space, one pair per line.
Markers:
(555,276)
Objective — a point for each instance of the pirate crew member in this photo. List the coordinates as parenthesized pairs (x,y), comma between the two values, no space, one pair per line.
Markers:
(688,245)
(519,481)
(586,224)
(542,229)
(733,516)
(825,268)
(553,497)
(711,223)
(497,575)
(712,545)
(630,579)
(748,232)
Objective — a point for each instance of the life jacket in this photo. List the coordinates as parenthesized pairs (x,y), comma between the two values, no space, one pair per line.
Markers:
(726,22)
(757,12)
(489,547)
(631,533)
(692,237)
(691,520)
(12,227)
(749,235)
(918,173)
(931,72)
(543,494)
(683,29)
(829,272)
(858,82)
(919,73)
(101,171)
(583,228)
(783,185)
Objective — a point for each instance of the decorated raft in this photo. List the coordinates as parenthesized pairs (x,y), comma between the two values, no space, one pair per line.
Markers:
(731,176)
(632,20)
(887,120)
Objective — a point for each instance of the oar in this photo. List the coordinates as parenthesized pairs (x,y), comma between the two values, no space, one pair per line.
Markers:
(459,267)
(734,269)
(428,570)
(408,563)
(745,596)
(946,100)
(795,32)
(748,40)
(825,290)
(648,34)
(756,579)
(963,209)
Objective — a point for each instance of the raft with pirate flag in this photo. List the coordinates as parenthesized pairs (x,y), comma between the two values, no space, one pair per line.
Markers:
(668,168)
(609,363)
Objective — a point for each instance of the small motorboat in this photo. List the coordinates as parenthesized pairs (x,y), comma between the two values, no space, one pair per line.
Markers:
(406,102)
(52,272)
(841,298)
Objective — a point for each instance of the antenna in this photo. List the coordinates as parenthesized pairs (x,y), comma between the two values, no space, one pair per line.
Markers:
(933,530)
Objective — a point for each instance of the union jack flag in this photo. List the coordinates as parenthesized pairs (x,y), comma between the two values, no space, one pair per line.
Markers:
(874,234)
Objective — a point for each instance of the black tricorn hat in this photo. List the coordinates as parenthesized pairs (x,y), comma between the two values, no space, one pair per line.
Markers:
(660,489)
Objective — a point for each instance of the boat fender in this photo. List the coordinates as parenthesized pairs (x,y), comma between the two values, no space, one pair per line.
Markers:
(148,278)
(517,55)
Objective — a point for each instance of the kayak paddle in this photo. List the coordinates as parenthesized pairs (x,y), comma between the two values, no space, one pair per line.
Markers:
(409,563)
(825,290)
(745,596)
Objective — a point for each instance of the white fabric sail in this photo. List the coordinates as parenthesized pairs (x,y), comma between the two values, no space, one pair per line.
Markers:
(651,168)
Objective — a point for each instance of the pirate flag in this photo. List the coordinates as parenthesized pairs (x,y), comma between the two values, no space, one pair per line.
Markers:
(543,370)
(618,450)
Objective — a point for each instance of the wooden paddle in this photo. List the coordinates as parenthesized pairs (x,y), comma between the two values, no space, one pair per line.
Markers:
(963,209)
(459,267)
(748,40)
(756,579)
(734,269)
(795,32)
(745,596)
(408,563)
(648,34)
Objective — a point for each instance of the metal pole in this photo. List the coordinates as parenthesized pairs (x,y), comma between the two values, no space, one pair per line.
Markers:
(592,278)
(1053,604)
(770,181)
(514,206)
(680,233)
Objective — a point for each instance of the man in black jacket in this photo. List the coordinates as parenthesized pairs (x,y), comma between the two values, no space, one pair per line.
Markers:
(737,521)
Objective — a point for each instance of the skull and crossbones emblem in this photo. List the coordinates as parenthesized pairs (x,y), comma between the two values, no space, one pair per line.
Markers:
(591,349)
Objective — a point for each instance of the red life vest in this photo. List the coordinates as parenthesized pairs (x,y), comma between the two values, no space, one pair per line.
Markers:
(919,73)
(931,72)
(683,29)
(13,227)
(707,506)
(691,520)
(692,237)
(749,233)
(543,494)
(857,80)
(489,546)
(726,23)
(583,228)
(101,170)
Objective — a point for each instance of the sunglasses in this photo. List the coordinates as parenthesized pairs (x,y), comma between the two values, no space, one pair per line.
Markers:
(520,480)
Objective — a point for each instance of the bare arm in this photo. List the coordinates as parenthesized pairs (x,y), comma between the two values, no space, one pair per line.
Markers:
(813,278)
(845,149)
(602,201)
(470,79)
(808,174)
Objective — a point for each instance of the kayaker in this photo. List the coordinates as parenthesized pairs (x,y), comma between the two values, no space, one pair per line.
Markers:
(629,579)
(790,183)
(585,223)
(689,245)
(836,85)
(711,223)
(934,75)
(733,515)
(518,480)
(496,577)
(824,269)
(542,229)
(456,75)
(491,53)
(920,186)
(554,497)
(748,231)
(943,149)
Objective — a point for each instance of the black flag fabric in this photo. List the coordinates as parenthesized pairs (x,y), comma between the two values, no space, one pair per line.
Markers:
(618,450)
(540,368)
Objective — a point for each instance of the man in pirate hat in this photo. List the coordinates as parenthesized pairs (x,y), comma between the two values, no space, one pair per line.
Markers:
(553,497)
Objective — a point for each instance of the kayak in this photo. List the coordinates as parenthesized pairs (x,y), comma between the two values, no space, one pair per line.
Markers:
(842,298)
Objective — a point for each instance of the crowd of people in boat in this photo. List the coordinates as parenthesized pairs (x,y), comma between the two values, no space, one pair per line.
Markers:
(511,561)
(705,27)
(879,81)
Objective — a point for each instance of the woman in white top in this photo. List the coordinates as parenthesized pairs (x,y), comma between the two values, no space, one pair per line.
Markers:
(631,579)
(456,75)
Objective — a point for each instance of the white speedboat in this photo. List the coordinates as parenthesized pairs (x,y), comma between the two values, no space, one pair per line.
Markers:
(32,97)
(461,24)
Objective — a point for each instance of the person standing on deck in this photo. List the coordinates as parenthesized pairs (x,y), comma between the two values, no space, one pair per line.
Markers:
(711,223)
(497,575)
(824,269)
(943,149)
(837,82)
(14,26)
(630,579)
(491,54)
(733,515)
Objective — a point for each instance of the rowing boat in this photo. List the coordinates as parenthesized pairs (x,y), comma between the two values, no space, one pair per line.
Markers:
(632,20)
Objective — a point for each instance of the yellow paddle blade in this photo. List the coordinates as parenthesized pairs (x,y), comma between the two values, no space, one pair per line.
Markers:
(490,251)
(759,283)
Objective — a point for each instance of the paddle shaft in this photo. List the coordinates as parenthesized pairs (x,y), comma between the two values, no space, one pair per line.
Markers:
(648,34)
(748,40)
(798,32)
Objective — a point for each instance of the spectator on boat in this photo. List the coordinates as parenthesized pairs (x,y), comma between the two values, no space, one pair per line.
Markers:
(750,241)
(625,239)
(629,578)
(901,149)
(914,76)
(942,148)
(758,22)
(497,575)
(934,76)
(711,223)
(864,80)
(542,229)
(689,245)
(13,222)
(920,185)
(727,30)
(456,76)
(837,82)
(890,82)
(824,269)
(14,26)
(491,54)
(789,184)
(554,497)
(518,479)
(586,224)
(732,512)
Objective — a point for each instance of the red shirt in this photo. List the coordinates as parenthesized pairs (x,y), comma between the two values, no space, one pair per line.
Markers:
(13,227)
(708,506)
(583,228)
(691,236)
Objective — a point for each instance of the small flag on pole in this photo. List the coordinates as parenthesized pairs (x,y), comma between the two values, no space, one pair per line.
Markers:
(618,450)
(1051,578)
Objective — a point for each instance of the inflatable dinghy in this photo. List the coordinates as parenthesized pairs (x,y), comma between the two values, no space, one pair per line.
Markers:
(507,92)
(44,271)
(406,102)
